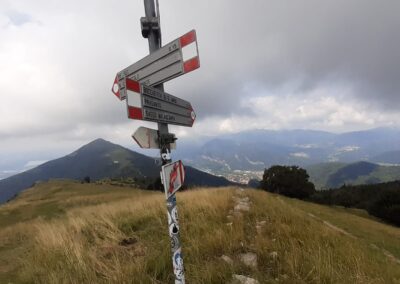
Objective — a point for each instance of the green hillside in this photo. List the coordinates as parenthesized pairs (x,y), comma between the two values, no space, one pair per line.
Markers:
(65,231)
(100,159)
(320,173)
(381,199)
(390,157)
(333,175)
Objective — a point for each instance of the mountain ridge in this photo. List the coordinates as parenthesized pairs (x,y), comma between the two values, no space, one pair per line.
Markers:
(98,159)
(240,151)
(334,175)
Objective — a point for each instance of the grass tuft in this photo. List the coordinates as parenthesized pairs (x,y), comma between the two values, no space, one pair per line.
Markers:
(118,235)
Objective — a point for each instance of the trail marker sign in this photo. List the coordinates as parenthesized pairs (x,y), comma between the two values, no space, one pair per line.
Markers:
(176,58)
(141,84)
(148,138)
(172,176)
(147,103)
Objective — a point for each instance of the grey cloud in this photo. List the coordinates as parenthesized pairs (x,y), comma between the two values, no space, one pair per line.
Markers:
(247,48)
(312,43)
(18,18)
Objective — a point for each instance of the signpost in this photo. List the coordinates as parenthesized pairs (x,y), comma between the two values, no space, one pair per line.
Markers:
(148,138)
(147,103)
(141,84)
(172,60)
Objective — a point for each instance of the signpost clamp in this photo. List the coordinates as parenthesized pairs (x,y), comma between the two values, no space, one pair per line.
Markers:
(149,24)
(166,139)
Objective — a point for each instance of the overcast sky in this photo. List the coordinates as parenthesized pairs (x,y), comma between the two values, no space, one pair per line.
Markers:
(327,65)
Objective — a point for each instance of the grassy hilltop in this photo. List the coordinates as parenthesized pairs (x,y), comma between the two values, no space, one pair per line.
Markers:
(67,232)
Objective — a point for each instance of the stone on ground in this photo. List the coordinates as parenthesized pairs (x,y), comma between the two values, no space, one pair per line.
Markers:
(273,255)
(227,259)
(249,259)
(242,207)
(241,279)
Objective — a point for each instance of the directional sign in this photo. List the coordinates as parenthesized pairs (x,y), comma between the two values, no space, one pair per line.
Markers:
(172,176)
(147,103)
(172,60)
(148,138)
(166,117)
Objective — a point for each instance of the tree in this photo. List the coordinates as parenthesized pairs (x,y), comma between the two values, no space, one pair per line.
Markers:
(291,181)
(387,206)
(86,179)
(156,185)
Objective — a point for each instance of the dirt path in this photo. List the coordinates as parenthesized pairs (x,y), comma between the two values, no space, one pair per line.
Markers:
(333,227)
(340,230)
(241,205)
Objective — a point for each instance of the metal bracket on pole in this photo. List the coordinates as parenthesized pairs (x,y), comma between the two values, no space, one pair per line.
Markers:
(148,25)
(166,139)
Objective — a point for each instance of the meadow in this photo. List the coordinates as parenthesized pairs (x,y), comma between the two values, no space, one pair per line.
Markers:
(67,232)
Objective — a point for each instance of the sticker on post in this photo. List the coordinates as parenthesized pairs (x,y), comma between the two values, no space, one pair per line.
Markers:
(173,229)
(178,264)
(174,215)
(174,243)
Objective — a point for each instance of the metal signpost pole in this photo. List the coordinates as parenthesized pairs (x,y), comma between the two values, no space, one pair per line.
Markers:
(151,30)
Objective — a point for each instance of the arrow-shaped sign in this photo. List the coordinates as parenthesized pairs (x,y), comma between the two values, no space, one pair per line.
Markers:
(147,103)
(148,138)
(178,57)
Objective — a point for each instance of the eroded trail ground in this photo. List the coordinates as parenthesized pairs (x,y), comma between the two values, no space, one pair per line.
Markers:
(272,253)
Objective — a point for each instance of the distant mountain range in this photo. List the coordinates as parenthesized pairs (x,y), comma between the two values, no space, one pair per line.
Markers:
(258,149)
(333,175)
(99,159)
(252,151)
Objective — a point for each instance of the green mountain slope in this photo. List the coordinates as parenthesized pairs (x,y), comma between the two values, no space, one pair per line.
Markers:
(381,200)
(98,159)
(332,175)
(391,157)
(320,173)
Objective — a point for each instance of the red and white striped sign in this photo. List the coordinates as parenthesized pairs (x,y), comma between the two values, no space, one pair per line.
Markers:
(134,99)
(173,177)
(176,58)
(190,52)
(147,103)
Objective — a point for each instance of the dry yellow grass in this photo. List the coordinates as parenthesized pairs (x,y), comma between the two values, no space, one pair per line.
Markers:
(356,223)
(85,245)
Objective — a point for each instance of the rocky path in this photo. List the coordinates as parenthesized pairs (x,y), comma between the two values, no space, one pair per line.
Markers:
(242,204)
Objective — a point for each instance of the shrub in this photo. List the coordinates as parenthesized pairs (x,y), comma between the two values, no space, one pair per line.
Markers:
(387,206)
(291,181)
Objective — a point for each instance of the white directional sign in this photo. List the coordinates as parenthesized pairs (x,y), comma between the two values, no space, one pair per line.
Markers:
(172,176)
(172,60)
(147,103)
(148,138)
